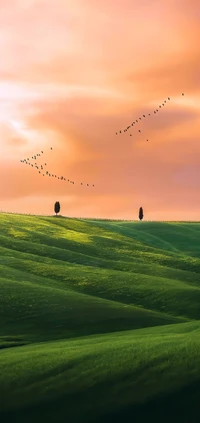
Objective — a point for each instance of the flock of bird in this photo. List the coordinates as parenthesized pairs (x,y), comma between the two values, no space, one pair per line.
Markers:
(136,121)
(41,168)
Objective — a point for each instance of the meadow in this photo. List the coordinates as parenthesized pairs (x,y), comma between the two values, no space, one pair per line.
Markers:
(99,320)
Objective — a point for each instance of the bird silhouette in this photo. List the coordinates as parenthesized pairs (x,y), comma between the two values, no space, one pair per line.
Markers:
(149,114)
(40,167)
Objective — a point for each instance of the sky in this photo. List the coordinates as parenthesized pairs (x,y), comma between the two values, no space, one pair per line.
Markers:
(75,72)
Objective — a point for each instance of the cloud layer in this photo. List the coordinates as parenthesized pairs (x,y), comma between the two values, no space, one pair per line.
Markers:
(74,73)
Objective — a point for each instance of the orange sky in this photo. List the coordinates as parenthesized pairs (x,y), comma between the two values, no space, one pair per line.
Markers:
(72,73)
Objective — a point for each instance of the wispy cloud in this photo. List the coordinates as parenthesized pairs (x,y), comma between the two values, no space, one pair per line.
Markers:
(76,71)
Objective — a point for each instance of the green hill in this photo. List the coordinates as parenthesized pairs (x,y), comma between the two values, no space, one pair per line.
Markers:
(103,314)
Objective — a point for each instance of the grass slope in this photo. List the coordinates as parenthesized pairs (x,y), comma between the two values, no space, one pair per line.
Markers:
(100,314)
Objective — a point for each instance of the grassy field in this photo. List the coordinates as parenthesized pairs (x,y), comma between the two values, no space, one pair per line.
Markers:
(99,320)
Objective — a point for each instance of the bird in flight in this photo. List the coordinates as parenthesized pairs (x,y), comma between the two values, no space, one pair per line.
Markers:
(40,167)
(144,115)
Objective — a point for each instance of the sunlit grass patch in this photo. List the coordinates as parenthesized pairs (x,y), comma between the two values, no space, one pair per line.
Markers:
(102,314)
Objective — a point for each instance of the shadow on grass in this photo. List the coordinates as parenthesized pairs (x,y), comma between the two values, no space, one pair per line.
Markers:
(178,407)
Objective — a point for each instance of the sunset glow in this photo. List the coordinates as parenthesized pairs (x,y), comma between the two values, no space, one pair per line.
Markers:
(75,72)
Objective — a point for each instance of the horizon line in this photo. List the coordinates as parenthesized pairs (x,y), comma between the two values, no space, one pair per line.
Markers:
(99,218)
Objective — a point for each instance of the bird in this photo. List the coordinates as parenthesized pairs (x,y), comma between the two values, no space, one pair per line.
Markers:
(149,114)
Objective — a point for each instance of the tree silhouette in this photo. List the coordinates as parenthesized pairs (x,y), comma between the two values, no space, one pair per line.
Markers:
(141,215)
(57,207)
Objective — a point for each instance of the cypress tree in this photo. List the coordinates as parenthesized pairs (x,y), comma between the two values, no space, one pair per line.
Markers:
(57,207)
(141,215)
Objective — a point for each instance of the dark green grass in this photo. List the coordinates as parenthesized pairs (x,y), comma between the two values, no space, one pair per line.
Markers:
(99,320)
(39,311)
(104,373)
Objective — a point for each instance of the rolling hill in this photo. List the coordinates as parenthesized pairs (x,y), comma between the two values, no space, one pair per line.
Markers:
(99,320)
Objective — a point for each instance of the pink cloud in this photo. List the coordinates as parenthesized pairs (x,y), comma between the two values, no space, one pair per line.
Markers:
(74,73)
